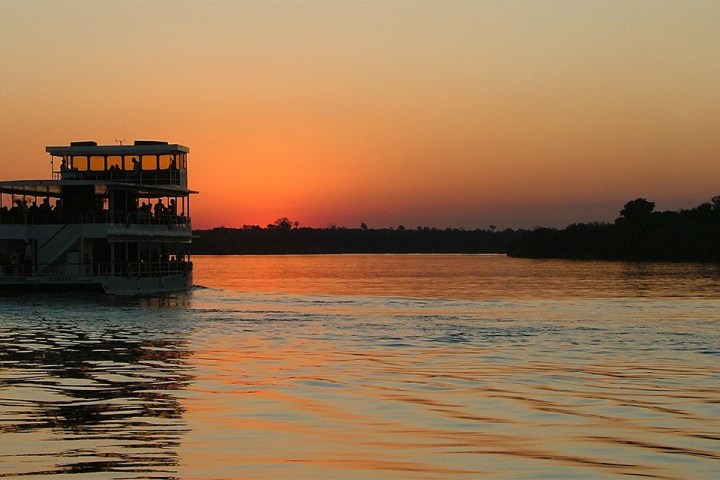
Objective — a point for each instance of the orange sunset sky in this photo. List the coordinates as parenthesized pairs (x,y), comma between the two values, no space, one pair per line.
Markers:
(428,113)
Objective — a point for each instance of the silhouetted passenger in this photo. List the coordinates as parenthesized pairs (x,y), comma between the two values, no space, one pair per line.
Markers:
(24,209)
(57,211)
(45,207)
(146,212)
(159,208)
(67,172)
(16,212)
(34,212)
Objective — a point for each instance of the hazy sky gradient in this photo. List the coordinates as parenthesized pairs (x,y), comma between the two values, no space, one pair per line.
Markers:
(446,114)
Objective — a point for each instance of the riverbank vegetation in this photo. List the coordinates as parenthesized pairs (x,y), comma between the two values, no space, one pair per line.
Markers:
(287,238)
(638,234)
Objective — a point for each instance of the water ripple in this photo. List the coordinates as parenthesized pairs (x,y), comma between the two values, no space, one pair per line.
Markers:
(104,396)
(371,380)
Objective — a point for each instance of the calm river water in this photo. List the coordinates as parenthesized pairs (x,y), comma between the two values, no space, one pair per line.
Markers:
(371,367)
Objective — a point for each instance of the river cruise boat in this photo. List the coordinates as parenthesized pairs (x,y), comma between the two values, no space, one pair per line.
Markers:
(113,218)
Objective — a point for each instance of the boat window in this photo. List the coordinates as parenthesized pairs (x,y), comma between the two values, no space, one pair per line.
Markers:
(62,162)
(178,160)
(128,162)
(183,161)
(80,162)
(97,163)
(164,162)
(149,162)
(114,161)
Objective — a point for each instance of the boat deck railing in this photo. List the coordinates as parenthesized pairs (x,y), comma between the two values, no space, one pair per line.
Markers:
(144,177)
(101,216)
(70,271)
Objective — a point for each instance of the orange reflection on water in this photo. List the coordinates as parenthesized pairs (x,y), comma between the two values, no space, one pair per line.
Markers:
(399,368)
(320,408)
(471,277)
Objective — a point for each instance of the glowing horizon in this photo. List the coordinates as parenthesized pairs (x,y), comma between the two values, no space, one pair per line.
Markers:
(439,114)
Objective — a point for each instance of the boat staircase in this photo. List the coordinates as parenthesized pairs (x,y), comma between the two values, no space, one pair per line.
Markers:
(54,241)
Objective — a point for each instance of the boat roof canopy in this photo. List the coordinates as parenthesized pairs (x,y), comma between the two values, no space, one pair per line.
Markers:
(140,147)
(54,188)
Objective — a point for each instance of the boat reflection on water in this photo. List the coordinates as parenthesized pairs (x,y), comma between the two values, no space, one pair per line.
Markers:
(90,398)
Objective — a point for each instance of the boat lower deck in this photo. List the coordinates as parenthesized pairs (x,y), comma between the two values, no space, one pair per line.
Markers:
(115,285)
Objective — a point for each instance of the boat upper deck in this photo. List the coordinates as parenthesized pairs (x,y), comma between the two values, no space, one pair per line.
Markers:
(144,162)
(139,147)
(141,183)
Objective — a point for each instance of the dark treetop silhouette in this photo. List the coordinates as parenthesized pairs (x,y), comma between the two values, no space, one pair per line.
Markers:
(640,233)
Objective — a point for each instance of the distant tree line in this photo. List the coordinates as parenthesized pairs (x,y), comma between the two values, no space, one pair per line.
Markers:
(286,237)
(639,233)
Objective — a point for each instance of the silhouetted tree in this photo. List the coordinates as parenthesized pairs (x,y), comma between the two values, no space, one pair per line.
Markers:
(637,210)
(716,202)
(284,223)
